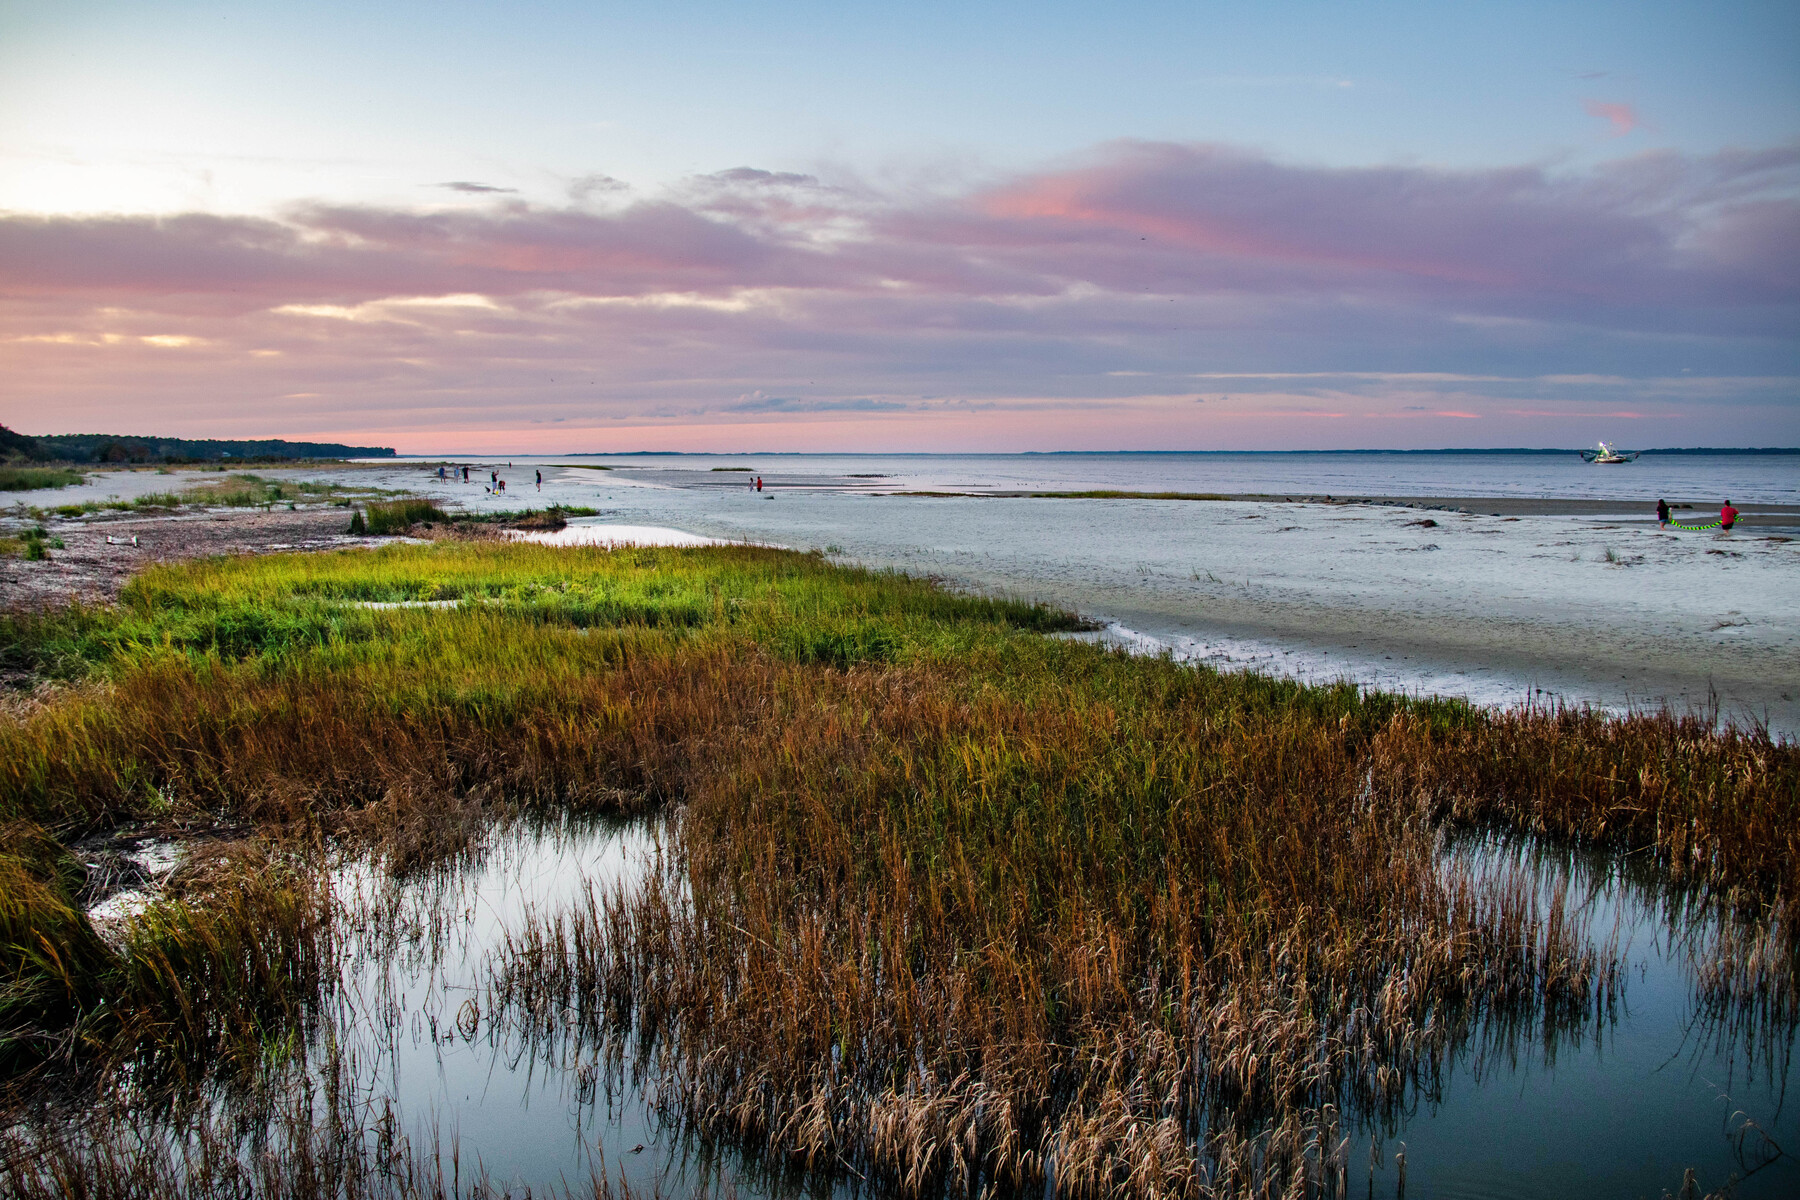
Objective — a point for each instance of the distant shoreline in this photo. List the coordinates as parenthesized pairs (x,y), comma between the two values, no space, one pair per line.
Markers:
(1744,451)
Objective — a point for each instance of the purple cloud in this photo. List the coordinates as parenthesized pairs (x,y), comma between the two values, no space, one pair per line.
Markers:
(1167,219)
(1125,274)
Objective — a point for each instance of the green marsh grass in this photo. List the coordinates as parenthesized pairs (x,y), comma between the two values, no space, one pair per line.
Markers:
(30,479)
(397,516)
(245,489)
(947,901)
(553,518)
(238,490)
(31,544)
(157,500)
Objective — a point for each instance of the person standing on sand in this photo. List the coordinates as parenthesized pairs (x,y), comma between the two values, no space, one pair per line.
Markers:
(1727,517)
(540,476)
(759,483)
(1662,514)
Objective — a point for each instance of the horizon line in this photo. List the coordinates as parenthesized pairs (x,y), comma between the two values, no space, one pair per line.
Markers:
(767,453)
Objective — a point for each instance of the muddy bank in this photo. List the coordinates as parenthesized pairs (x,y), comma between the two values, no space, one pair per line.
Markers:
(100,553)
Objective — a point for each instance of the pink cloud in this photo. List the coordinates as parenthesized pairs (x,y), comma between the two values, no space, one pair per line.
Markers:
(1119,275)
(1622,117)
(1165,219)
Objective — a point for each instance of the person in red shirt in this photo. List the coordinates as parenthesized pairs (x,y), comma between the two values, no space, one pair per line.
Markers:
(1727,517)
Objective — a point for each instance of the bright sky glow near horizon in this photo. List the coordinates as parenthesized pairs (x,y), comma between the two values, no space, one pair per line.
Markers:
(560,227)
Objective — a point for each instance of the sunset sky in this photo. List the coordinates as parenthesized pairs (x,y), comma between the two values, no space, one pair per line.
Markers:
(701,226)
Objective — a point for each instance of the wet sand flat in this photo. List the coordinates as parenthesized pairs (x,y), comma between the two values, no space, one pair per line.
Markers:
(1588,610)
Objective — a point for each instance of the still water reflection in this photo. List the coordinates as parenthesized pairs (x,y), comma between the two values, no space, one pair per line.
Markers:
(1687,1069)
(1681,1076)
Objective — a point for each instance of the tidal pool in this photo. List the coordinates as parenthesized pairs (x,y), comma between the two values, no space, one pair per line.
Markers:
(1678,1077)
(1675,1075)
(1620,1106)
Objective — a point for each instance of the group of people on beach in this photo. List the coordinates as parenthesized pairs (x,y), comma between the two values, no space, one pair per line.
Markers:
(495,485)
(1727,516)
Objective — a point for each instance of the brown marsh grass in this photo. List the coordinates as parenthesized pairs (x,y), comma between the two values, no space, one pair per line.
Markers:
(949,905)
(292,1138)
(953,939)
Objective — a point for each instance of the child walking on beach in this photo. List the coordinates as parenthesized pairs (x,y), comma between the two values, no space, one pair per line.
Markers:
(1727,517)
(1662,514)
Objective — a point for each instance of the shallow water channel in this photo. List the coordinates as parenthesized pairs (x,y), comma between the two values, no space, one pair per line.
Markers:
(1623,1106)
(1619,1106)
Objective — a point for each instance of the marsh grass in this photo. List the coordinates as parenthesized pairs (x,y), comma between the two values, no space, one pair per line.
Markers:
(953,939)
(490,521)
(157,500)
(31,544)
(53,961)
(227,963)
(948,905)
(243,489)
(555,517)
(312,1137)
(267,694)
(29,479)
(238,490)
(229,960)
(397,516)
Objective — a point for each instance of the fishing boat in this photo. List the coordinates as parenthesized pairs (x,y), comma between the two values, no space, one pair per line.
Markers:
(1606,455)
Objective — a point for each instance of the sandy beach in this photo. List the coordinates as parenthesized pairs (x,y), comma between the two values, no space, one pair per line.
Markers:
(1501,600)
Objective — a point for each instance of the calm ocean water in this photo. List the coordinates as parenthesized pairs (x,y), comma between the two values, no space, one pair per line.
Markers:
(1770,479)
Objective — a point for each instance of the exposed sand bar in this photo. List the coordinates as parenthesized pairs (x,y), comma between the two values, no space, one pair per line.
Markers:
(594,533)
(1752,513)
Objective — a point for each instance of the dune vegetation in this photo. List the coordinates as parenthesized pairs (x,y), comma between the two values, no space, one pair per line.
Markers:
(951,904)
